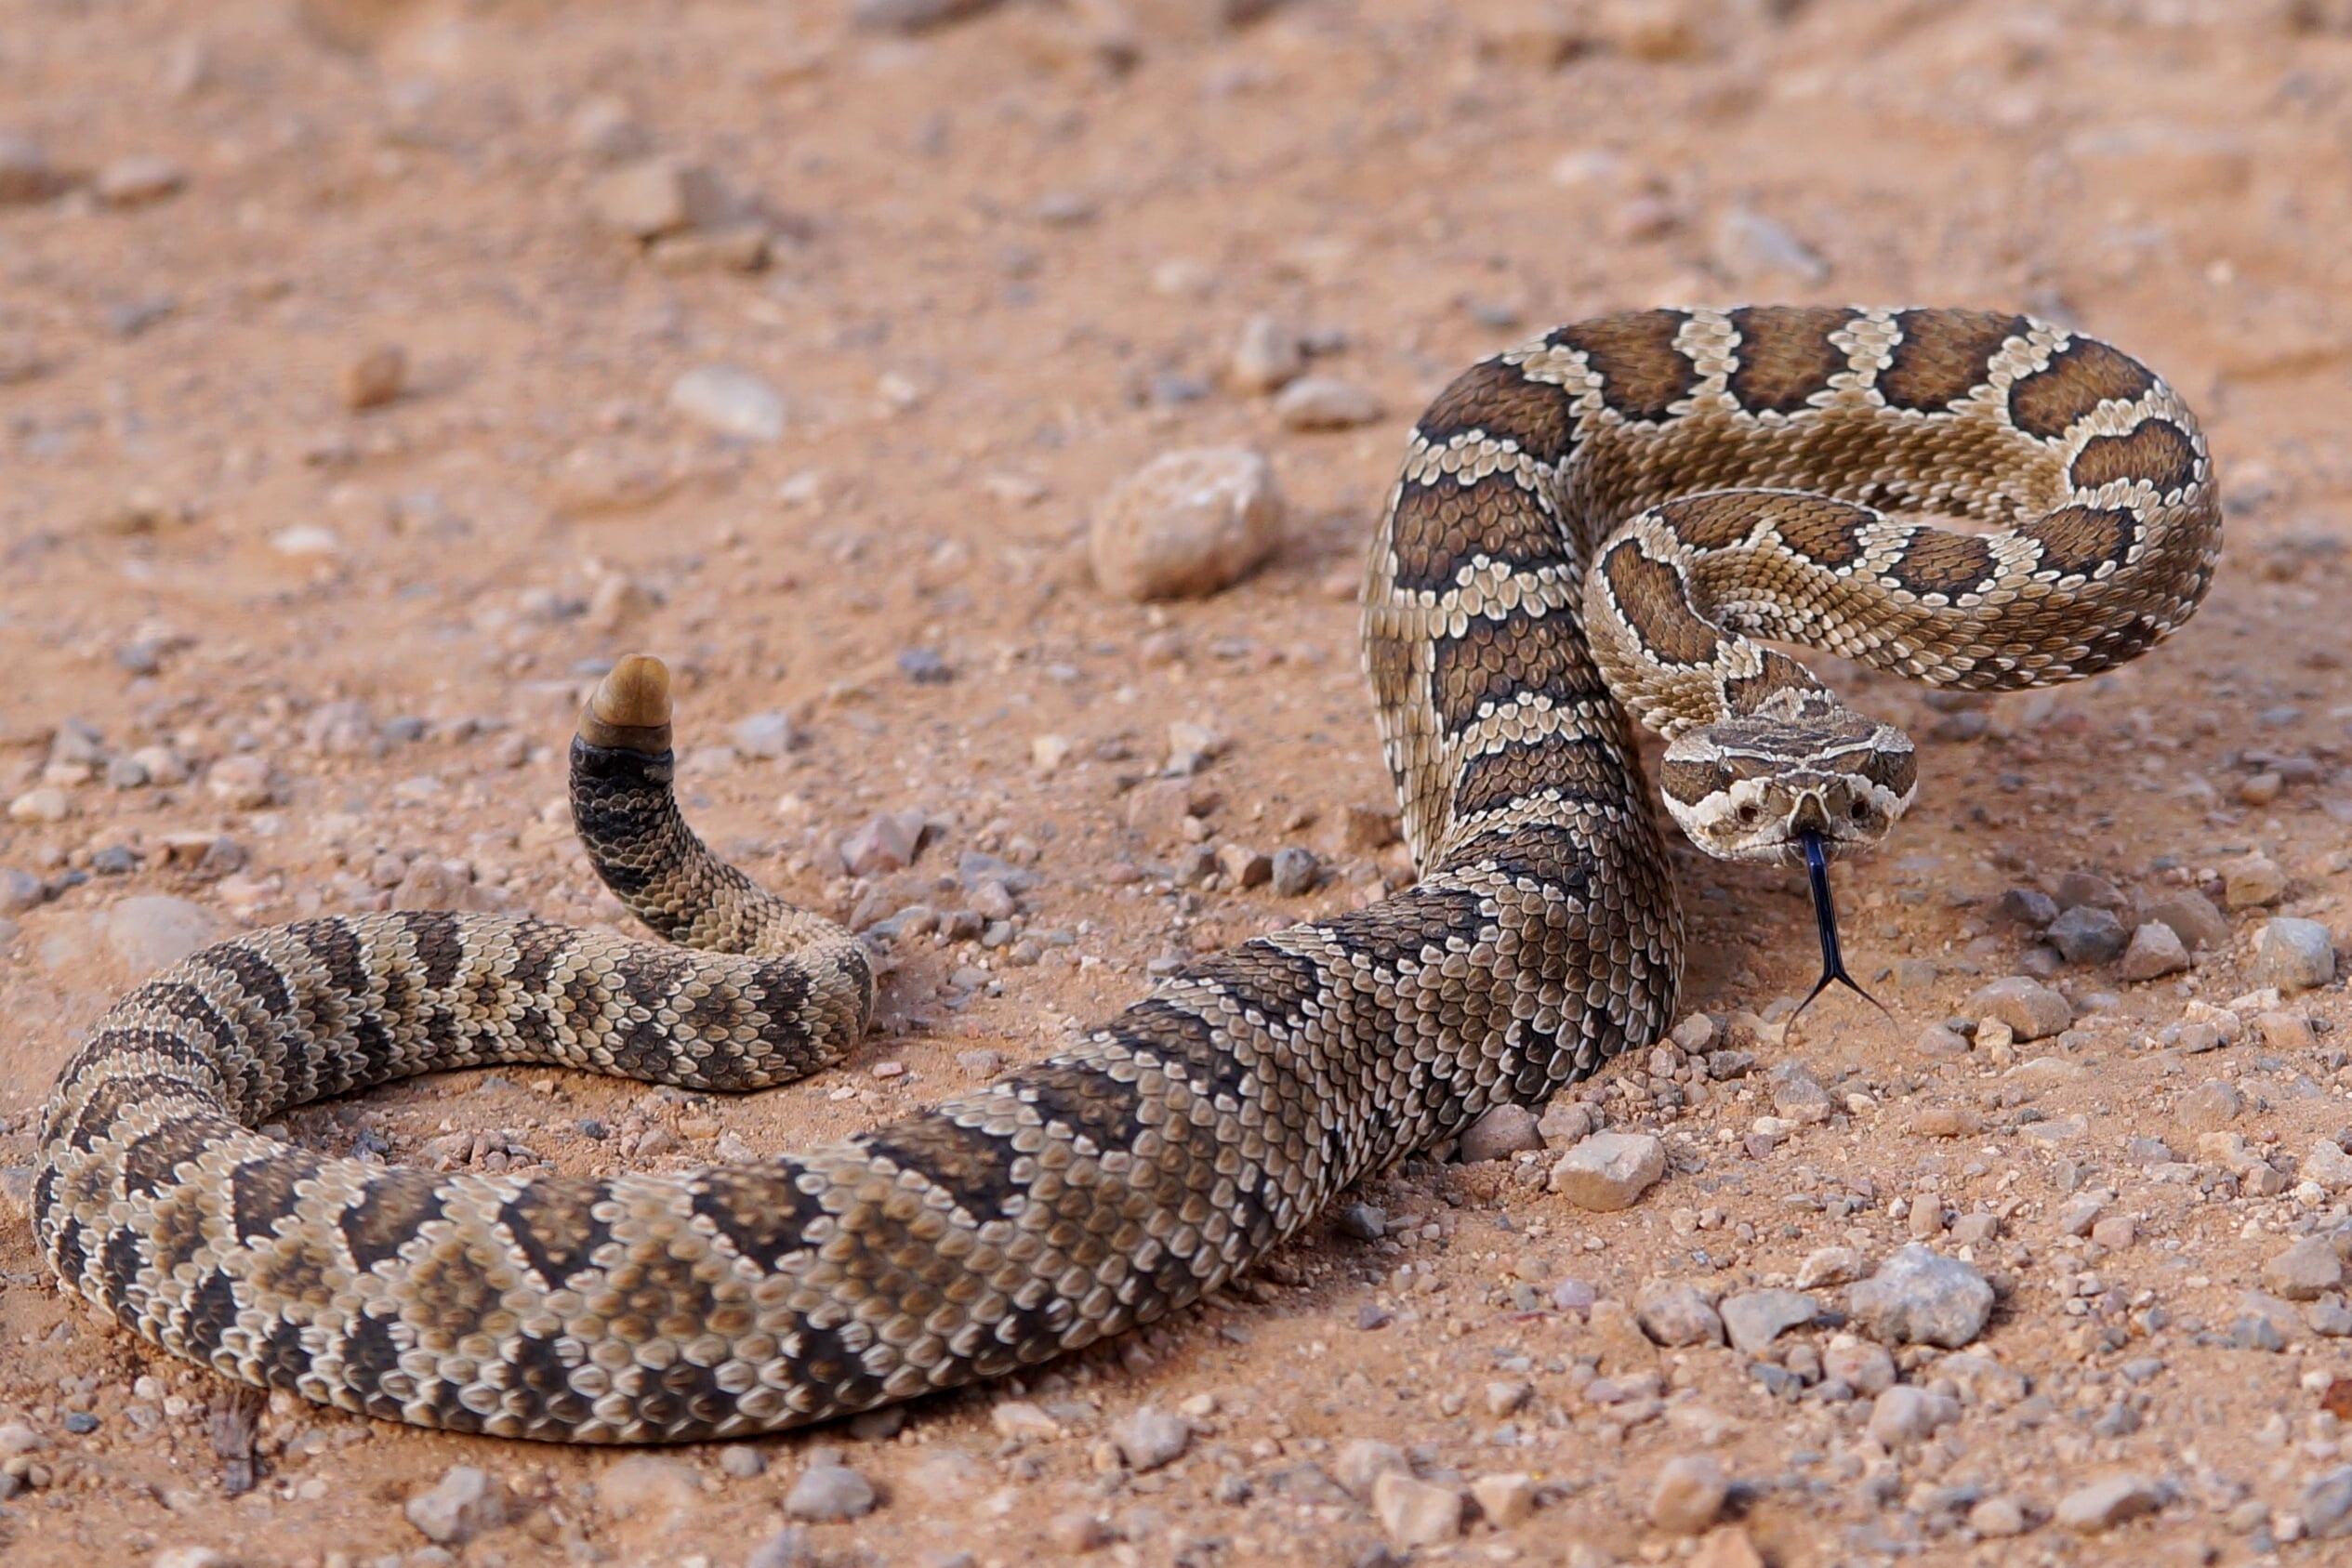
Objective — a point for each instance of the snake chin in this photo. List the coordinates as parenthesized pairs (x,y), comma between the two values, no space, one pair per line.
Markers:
(1750,787)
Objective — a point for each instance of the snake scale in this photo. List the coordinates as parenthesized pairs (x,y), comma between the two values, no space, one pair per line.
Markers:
(1590,530)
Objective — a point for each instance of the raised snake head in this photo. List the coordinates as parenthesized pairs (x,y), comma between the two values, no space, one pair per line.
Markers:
(1752,786)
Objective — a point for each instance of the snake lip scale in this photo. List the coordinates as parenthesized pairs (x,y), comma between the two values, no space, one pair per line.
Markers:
(1605,526)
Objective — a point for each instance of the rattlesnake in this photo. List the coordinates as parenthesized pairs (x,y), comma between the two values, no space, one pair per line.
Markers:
(1588,530)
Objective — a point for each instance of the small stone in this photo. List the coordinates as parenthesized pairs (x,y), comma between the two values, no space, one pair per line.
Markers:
(1904,1415)
(26,174)
(2294,956)
(375,379)
(824,1494)
(2305,1271)
(1415,1514)
(1941,1041)
(740,1461)
(788,1547)
(1947,1121)
(2088,935)
(1610,1170)
(1019,1419)
(433,884)
(764,735)
(733,402)
(461,1504)
(1755,1318)
(1325,403)
(1998,1518)
(189,1557)
(1504,1499)
(2192,917)
(2327,1162)
(1860,1366)
(2031,1011)
(648,1485)
(1689,1494)
(1917,1297)
(1363,1221)
(1186,524)
(888,841)
(1798,1094)
(1566,1122)
(1727,1545)
(1080,1530)
(2104,1505)
(1829,1265)
(1503,1131)
(657,196)
(2286,1032)
(2115,1232)
(1508,1398)
(1750,245)
(1149,1439)
(1675,1314)
(1243,868)
(1267,356)
(153,931)
(47,804)
(244,783)
(2209,1107)
(1295,872)
(2252,881)
(2326,1505)
(604,128)
(138,180)
(1364,830)
(20,891)
(2156,949)
(2026,907)
(1362,1461)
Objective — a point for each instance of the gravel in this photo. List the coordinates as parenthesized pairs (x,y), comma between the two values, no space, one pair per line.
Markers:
(1415,1514)
(1186,524)
(2156,949)
(1149,1439)
(1676,1315)
(20,891)
(2031,1011)
(824,1494)
(1325,403)
(2305,1271)
(1610,1170)
(1920,1298)
(462,1503)
(1755,1318)
(1295,872)
(1267,356)
(2294,956)
(2087,934)
(731,402)
(1904,1415)
(2326,1505)
(1689,1494)
(2103,1505)
(1503,1131)
(153,930)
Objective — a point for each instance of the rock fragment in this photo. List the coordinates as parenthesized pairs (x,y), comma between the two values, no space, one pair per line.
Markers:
(1918,1297)
(464,1503)
(1904,1415)
(1267,356)
(2294,956)
(2086,934)
(2192,917)
(2103,1505)
(657,196)
(1415,1514)
(138,180)
(1325,403)
(1503,1131)
(1150,1438)
(1755,1318)
(2305,1271)
(1185,524)
(2031,1011)
(375,379)
(824,1494)
(1610,1170)
(731,402)
(1677,1314)
(1689,1494)
(2156,949)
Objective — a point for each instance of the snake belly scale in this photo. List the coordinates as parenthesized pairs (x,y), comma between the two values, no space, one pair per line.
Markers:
(1590,530)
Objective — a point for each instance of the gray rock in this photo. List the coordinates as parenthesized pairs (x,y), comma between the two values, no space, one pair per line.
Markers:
(1186,524)
(1150,1438)
(461,1504)
(2209,1107)
(2103,1505)
(1751,246)
(1797,1094)
(2028,907)
(1325,403)
(1566,1122)
(2031,1011)
(1677,1314)
(1363,1461)
(1755,1318)
(647,1485)
(887,841)
(2305,1271)
(913,16)
(2193,919)
(646,200)
(731,402)
(1295,872)
(2087,934)
(1503,1131)
(827,1493)
(740,1461)
(1904,1415)
(1610,1170)
(1919,1297)
(153,931)
(2327,1505)
(1689,1494)
(1415,1514)
(1267,356)
(788,1547)
(20,891)
(1365,1222)
(764,735)
(2294,956)
(2156,949)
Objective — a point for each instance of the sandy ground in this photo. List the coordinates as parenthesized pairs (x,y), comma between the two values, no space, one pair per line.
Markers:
(1007,261)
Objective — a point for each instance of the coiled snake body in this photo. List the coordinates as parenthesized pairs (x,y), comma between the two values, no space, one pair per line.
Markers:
(1590,529)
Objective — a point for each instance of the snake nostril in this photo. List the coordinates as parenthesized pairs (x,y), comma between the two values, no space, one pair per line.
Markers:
(1860,811)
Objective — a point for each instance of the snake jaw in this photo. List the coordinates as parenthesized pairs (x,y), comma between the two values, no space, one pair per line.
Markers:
(629,710)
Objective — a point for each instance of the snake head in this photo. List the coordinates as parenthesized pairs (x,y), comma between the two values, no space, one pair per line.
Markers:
(1750,786)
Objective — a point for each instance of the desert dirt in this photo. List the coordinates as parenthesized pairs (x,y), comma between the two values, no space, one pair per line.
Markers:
(1006,262)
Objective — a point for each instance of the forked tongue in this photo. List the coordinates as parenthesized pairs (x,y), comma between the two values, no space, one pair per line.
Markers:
(1825,917)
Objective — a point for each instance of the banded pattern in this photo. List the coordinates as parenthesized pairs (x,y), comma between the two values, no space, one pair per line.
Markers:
(1591,528)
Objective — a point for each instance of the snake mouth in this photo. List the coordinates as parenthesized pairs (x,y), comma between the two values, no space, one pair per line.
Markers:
(1825,920)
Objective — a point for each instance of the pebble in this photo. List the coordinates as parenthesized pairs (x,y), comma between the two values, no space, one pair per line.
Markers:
(1504,1499)
(1267,356)
(189,1557)
(2209,1107)
(245,782)
(1295,872)
(1748,246)
(1727,1545)
(1363,1461)
(25,172)
(45,804)
(1610,1170)
(788,1547)
(1942,1041)
(1675,1314)
(1755,1318)
(153,930)
(2305,1271)
(1080,1530)
(1947,1121)
(20,891)
(1415,1514)
(2252,881)
(764,736)
(740,1461)
(2294,956)
(1689,1494)
(461,1504)
(2193,919)
(2031,1011)
(1325,403)
(887,841)
(1904,1415)
(1020,1418)
(731,402)
(2326,1164)
(2156,949)
(647,1484)
(135,180)
(2326,1505)
(2028,907)
(1866,1368)
(2103,1505)
(1829,1265)
(375,379)
(657,196)
(1503,1131)
(824,1494)
(1566,1122)
(1798,1094)
(1917,1297)
(1998,1518)
(2087,934)
(1363,1221)
(1186,524)
(1150,1438)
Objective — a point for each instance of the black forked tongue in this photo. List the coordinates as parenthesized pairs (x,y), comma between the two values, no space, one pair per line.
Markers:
(1825,918)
